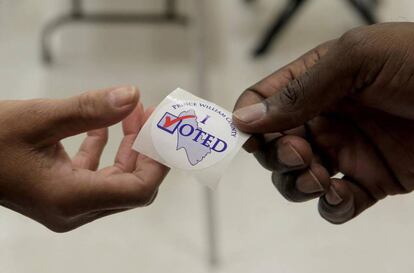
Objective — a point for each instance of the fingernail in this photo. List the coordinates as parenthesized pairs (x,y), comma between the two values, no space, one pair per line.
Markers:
(250,113)
(289,156)
(309,183)
(122,96)
(332,197)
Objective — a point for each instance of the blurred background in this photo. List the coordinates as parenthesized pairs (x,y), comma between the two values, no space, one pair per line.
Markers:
(256,230)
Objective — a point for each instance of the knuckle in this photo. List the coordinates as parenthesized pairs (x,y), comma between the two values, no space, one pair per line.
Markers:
(353,41)
(293,95)
(314,56)
(268,157)
(86,107)
(286,185)
(353,36)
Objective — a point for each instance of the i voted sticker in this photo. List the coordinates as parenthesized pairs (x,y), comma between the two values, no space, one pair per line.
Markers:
(192,134)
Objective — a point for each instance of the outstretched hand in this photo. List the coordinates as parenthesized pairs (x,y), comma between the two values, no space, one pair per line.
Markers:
(39,179)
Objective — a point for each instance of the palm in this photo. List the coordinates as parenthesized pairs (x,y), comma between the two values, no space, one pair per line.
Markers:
(85,193)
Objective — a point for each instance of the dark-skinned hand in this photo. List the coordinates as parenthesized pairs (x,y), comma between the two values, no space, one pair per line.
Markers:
(345,106)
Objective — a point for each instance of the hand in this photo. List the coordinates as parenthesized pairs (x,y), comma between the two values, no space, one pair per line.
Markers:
(346,106)
(39,180)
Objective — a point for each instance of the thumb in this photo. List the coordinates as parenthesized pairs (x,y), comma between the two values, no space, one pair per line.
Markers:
(58,119)
(304,97)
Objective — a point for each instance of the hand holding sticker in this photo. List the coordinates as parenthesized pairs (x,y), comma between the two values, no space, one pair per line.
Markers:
(191,134)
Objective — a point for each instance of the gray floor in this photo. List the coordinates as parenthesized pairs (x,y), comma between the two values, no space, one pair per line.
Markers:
(259,230)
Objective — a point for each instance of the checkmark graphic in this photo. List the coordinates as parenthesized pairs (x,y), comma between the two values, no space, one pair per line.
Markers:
(168,121)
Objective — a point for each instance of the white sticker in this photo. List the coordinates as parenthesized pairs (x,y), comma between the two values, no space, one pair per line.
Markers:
(192,134)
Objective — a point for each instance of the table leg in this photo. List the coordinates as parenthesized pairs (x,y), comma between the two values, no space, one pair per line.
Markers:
(77,15)
(201,84)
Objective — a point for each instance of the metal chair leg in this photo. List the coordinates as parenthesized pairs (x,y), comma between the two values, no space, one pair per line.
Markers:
(365,10)
(363,7)
(284,17)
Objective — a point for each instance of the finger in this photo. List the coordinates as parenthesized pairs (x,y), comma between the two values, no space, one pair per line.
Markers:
(89,153)
(303,97)
(148,112)
(126,157)
(272,85)
(148,176)
(258,141)
(344,147)
(150,170)
(287,153)
(302,185)
(367,177)
(57,119)
(344,201)
(350,151)
(296,173)
(279,79)
(116,169)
